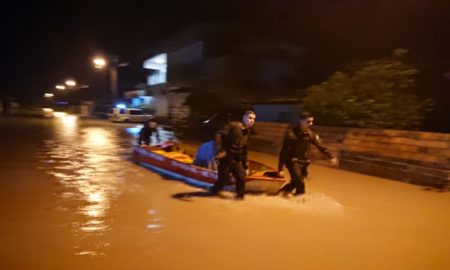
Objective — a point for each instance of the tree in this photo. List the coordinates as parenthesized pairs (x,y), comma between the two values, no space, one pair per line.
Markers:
(372,94)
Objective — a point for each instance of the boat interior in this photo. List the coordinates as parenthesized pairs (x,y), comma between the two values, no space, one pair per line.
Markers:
(172,150)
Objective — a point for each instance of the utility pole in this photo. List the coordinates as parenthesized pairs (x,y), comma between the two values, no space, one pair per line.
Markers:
(112,63)
(113,77)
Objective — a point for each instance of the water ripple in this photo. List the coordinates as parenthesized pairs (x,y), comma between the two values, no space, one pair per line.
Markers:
(90,164)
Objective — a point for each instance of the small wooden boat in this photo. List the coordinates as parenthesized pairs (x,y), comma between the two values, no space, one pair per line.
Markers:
(169,161)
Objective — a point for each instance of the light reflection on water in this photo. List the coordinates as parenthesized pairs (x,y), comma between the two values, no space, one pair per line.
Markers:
(89,162)
(155,222)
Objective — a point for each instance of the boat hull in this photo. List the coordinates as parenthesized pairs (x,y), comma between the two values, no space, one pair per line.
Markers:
(177,165)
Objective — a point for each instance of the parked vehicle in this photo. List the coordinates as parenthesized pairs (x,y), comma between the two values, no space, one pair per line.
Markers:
(128,115)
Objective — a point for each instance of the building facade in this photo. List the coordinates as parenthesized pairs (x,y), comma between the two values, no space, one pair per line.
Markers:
(222,59)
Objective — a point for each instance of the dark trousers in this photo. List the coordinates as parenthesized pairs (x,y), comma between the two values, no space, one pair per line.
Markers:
(305,171)
(237,170)
(296,171)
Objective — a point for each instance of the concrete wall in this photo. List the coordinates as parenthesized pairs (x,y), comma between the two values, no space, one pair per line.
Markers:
(415,157)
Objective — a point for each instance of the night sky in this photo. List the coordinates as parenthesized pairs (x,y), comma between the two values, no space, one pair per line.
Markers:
(45,42)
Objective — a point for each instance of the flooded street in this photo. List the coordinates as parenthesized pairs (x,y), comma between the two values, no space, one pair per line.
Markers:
(71,199)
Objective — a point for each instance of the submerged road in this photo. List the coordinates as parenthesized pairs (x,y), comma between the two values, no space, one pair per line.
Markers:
(71,199)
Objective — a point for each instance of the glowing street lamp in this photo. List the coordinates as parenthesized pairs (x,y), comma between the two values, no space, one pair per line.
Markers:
(71,83)
(48,95)
(60,87)
(99,62)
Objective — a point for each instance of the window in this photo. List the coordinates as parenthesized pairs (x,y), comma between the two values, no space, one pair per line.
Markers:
(135,112)
(158,67)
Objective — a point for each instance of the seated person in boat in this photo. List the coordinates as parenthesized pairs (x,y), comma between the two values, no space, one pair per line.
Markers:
(148,132)
(205,156)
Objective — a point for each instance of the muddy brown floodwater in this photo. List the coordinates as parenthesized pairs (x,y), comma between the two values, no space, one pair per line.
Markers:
(71,199)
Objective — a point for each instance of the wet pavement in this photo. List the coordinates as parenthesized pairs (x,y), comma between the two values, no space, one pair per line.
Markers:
(70,198)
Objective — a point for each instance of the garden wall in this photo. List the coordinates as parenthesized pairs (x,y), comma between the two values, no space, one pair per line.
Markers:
(421,158)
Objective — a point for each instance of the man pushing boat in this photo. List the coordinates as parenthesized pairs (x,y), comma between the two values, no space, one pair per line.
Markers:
(232,154)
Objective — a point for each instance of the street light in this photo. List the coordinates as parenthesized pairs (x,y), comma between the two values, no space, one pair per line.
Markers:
(99,62)
(112,62)
(71,83)
(68,84)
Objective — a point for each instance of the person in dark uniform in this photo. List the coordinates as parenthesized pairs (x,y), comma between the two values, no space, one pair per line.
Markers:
(232,154)
(295,154)
(145,135)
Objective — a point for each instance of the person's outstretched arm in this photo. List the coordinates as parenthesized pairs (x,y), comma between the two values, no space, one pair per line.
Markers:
(315,139)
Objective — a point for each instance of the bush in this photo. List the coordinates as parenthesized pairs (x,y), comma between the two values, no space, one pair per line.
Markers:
(374,94)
